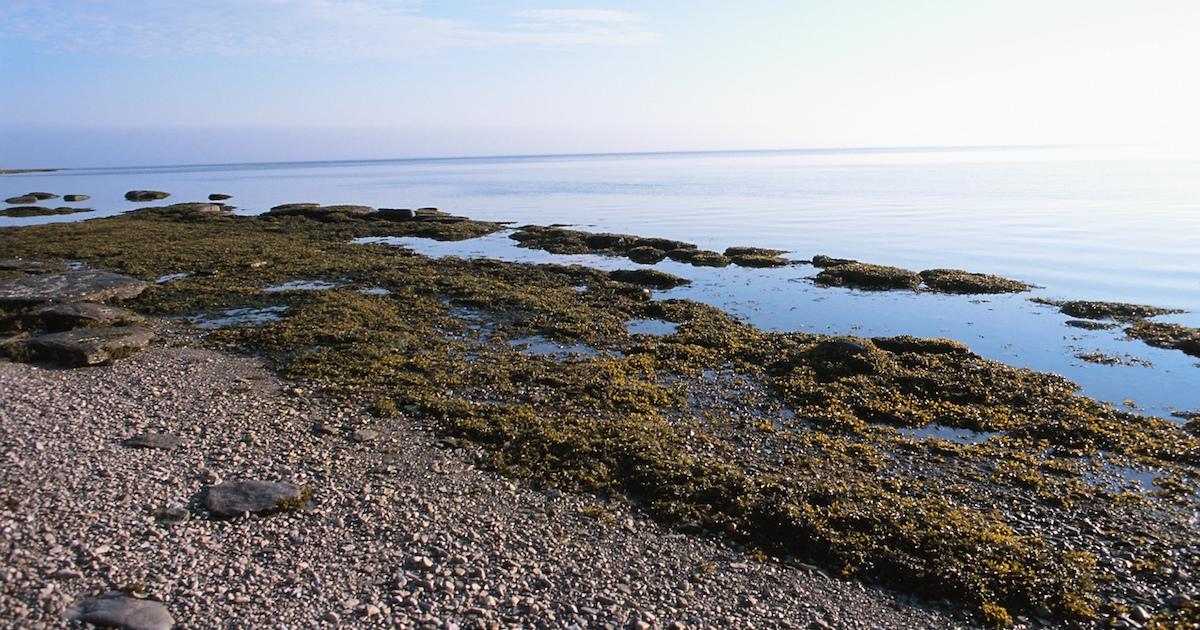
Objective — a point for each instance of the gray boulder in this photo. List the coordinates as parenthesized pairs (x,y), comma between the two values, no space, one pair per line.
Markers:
(150,439)
(89,346)
(234,498)
(86,314)
(146,195)
(118,610)
(69,286)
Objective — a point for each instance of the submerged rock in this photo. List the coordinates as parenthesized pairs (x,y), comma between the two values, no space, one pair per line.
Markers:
(88,346)
(118,610)
(959,281)
(86,314)
(74,198)
(69,286)
(1088,324)
(146,195)
(867,276)
(234,498)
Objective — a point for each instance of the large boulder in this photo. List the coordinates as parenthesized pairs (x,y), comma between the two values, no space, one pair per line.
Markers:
(88,346)
(234,498)
(118,610)
(69,286)
(146,195)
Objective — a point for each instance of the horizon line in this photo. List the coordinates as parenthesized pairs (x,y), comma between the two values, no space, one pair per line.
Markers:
(602,154)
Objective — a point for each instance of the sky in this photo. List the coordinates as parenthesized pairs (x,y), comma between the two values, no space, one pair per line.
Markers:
(145,82)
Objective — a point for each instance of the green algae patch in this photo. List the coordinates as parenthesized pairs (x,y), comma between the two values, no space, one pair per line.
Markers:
(959,281)
(856,275)
(689,426)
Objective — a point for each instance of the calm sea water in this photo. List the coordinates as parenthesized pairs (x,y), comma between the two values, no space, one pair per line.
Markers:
(1080,224)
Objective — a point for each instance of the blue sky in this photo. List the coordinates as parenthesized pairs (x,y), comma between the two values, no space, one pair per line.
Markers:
(107,82)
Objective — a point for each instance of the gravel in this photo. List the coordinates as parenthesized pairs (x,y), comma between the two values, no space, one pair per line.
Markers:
(402,530)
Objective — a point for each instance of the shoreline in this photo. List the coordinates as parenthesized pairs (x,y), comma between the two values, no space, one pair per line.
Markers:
(791,443)
(399,524)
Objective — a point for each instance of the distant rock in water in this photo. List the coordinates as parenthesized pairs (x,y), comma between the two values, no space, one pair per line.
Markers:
(858,275)
(74,198)
(1118,311)
(146,195)
(69,286)
(22,199)
(118,610)
(234,498)
(40,211)
(89,346)
(219,197)
(43,196)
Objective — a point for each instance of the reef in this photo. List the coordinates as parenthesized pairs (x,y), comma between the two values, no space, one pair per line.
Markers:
(797,445)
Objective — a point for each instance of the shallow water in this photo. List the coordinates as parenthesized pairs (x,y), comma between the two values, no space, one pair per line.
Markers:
(1079,224)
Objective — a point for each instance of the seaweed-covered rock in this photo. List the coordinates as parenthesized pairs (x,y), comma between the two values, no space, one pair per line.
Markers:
(607,240)
(321,213)
(1164,335)
(752,251)
(39,211)
(22,199)
(821,260)
(89,346)
(234,498)
(1087,324)
(75,198)
(867,276)
(119,610)
(757,260)
(1119,311)
(86,314)
(69,286)
(146,195)
(698,257)
(649,278)
(959,281)
(646,255)
(664,244)
(395,214)
(918,345)
(219,197)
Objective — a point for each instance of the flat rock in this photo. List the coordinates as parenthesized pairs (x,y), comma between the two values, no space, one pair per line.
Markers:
(150,439)
(39,211)
(234,498)
(43,196)
(89,346)
(87,314)
(118,610)
(76,197)
(146,195)
(21,199)
(30,266)
(69,286)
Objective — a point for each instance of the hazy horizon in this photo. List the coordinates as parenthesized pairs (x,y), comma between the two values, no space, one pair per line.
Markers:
(104,83)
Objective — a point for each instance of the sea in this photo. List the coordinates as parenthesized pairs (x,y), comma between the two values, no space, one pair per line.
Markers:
(1078,222)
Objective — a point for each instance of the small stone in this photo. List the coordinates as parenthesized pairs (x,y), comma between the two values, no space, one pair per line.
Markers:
(331,617)
(172,513)
(365,435)
(234,498)
(1141,614)
(150,439)
(118,610)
